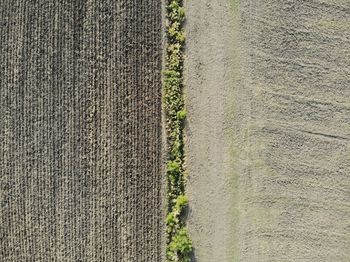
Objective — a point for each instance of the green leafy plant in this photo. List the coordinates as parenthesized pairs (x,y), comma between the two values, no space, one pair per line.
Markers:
(181,115)
(179,245)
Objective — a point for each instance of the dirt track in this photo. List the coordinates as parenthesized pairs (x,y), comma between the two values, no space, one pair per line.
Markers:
(208,81)
(268,130)
(80,131)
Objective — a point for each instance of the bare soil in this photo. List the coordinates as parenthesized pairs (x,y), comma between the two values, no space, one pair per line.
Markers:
(268,130)
(208,82)
(80,128)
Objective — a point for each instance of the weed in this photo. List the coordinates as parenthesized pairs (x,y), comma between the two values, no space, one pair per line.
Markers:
(179,244)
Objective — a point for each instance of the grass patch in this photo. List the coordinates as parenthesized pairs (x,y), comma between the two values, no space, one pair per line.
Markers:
(179,245)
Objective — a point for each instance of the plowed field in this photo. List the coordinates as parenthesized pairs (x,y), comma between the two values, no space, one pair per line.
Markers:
(80,130)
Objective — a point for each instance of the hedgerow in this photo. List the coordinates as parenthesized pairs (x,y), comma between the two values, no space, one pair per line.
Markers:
(179,245)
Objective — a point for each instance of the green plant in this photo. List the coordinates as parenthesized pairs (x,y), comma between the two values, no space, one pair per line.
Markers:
(181,202)
(181,115)
(179,244)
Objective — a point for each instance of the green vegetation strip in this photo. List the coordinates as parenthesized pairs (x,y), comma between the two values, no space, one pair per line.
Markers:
(179,245)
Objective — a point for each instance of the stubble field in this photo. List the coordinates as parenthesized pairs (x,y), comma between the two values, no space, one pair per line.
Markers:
(80,131)
(256,152)
(267,87)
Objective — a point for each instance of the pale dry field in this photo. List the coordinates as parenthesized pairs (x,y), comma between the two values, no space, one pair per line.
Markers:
(268,97)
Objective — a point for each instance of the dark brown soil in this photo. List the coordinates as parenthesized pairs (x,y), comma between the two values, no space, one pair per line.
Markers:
(80,128)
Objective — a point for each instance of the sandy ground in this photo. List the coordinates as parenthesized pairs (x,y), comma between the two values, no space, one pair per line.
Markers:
(268,130)
(80,131)
(208,81)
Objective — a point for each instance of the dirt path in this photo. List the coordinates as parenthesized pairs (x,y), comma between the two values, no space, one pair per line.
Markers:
(269,130)
(208,82)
